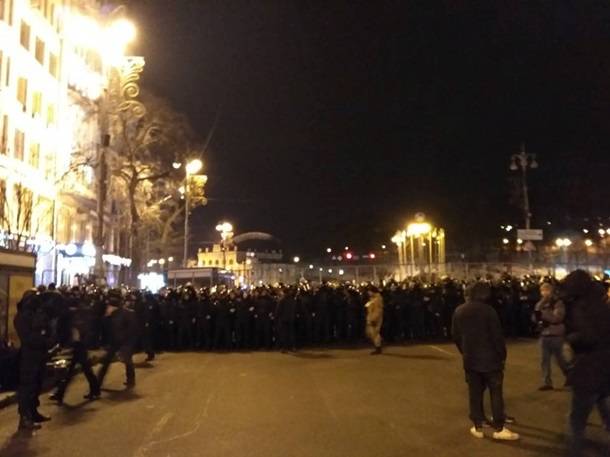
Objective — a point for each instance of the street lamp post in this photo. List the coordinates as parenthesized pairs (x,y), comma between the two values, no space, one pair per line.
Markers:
(119,97)
(524,161)
(191,168)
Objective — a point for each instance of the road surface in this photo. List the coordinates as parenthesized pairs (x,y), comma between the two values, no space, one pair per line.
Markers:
(411,401)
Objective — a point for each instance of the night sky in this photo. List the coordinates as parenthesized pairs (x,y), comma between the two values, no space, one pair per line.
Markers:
(337,120)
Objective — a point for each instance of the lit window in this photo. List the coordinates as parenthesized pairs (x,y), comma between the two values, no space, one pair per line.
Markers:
(50,115)
(22,91)
(19,144)
(40,47)
(25,35)
(4,137)
(49,166)
(53,65)
(37,103)
(34,155)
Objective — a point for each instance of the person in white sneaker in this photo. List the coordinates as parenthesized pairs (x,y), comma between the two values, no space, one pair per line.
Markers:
(478,335)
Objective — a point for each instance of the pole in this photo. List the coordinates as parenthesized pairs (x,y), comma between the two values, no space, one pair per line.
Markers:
(411,242)
(186,221)
(526,199)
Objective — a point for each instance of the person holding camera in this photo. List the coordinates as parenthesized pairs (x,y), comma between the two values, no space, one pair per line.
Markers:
(550,314)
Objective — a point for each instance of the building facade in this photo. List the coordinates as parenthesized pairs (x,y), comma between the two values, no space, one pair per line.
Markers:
(51,79)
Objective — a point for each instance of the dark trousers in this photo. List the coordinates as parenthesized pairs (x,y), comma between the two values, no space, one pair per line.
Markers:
(31,374)
(148,344)
(79,357)
(477,383)
(286,335)
(126,354)
(583,403)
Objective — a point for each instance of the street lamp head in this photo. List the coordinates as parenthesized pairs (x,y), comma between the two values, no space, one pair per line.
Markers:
(513,165)
(418,228)
(534,163)
(123,29)
(176,165)
(296,259)
(194,166)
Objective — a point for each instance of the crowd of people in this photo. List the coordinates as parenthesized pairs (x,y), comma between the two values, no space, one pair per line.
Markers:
(287,317)
(290,316)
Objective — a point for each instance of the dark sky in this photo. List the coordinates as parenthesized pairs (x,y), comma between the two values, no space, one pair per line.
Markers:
(339,120)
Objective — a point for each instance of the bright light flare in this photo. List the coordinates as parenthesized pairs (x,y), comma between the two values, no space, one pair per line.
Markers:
(418,229)
(194,166)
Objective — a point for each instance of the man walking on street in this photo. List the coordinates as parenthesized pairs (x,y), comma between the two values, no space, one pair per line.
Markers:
(123,337)
(374,319)
(549,314)
(588,333)
(478,335)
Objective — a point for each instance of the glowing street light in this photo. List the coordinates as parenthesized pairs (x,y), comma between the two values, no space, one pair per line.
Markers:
(329,250)
(418,229)
(296,259)
(505,241)
(193,166)
(588,243)
(226,233)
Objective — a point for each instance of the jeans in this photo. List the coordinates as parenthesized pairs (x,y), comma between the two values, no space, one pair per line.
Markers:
(552,346)
(582,405)
(477,383)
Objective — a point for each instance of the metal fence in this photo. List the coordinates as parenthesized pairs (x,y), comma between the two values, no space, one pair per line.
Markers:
(292,273)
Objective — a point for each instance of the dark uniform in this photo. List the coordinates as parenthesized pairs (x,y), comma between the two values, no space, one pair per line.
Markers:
(74,328)
(33,328)
(123,338)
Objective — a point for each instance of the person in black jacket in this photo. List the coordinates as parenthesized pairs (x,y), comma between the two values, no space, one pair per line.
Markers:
(285,313)
(33,328)
(123,338)
(588,334)
(478,335)
(74,328)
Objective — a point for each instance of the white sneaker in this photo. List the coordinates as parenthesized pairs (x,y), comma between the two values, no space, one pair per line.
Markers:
(476,433)
(505,435)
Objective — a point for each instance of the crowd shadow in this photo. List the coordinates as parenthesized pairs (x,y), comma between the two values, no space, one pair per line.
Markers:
(120,395)
(19,445)
(416,356)
(74,414)
(311,355)
(143,365)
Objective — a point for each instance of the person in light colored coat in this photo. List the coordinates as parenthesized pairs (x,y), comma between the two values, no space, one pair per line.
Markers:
(374,319)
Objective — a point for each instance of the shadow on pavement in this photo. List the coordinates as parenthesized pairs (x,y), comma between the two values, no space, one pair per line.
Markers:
(18,445)
(74,414)
(120,395)
(143,365)
(539,449)
(417,356)
(311,355)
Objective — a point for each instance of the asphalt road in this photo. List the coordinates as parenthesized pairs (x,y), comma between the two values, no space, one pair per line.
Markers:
(411,401)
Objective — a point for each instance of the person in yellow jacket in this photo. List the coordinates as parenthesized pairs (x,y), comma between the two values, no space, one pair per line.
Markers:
(374,319)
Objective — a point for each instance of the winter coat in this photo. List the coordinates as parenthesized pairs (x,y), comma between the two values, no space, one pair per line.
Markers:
(478,335)
(374,309)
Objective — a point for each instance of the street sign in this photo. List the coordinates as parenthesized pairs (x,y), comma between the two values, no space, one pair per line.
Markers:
(530,234)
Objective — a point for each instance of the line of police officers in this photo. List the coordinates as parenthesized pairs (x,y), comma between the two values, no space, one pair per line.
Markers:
(221,318)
